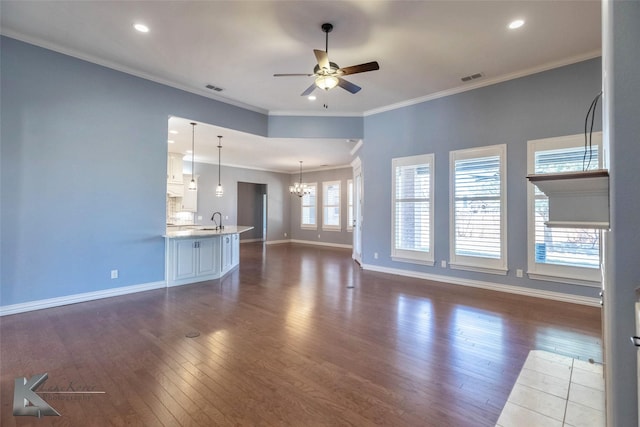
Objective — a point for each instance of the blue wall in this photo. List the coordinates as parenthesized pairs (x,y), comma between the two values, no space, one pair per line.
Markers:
(83,161)
(83,172)
(548,104)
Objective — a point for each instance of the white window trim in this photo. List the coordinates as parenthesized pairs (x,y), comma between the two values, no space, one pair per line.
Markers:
(402,255)
(302,224)
(479,264)
(557,273)
(350,206)
(327,227)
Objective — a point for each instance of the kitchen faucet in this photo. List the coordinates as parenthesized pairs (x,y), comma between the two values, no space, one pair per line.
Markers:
(218,227)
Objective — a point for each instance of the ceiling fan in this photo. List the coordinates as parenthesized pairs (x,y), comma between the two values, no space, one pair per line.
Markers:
(328,74)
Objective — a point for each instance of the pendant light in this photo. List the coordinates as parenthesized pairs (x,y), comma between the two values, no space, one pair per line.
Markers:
(192,184)
(219,190)
(299,188)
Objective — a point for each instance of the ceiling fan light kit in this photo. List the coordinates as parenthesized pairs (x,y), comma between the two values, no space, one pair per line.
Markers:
(327,82)
(328,74)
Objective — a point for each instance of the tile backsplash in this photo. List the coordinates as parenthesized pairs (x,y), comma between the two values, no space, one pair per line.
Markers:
(175,216)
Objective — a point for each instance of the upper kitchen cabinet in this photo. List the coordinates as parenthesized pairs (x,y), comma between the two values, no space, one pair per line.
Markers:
(174,168)
(190,197)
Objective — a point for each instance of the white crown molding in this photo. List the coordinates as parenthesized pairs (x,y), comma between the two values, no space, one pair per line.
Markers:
(70,52)
(518,290)
(356,147)
(76,298)
(95,60)
(327,168)
(314,113)
(488,82)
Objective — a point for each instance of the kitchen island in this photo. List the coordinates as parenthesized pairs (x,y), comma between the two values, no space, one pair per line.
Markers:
(201,253)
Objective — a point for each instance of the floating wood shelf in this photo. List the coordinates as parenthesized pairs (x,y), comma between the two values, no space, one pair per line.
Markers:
(576,199)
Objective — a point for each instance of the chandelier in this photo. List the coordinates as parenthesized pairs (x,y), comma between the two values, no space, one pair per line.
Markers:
(299,188)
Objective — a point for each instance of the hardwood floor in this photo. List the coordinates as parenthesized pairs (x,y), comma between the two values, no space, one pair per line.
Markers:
(284,341)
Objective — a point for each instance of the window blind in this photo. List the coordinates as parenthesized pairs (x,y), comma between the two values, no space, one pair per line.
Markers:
(412,207)
(477,210)
(309,206)
(331,204)
(564,246)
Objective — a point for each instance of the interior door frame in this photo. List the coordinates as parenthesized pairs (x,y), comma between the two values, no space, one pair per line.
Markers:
(358,191)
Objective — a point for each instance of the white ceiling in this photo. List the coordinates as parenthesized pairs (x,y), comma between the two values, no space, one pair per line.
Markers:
(256,152)
(423,48)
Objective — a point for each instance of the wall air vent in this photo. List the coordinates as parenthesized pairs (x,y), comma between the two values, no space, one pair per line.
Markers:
(472,77)
(212,87)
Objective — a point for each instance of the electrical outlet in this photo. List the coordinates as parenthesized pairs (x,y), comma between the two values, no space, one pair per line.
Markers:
(114,274)
(443,264)
(318,236)
(199,217)
(285,234)
(519,272)
(226,217)
(375,255)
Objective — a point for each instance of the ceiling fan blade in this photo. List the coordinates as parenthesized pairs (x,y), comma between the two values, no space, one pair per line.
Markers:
(348,86)
(369,66)
(289,75)
(322,58)
(309,90)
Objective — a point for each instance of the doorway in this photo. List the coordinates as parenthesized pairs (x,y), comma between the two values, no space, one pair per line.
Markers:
(252,211)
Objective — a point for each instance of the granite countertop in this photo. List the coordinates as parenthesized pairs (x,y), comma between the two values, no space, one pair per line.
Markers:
(206,231)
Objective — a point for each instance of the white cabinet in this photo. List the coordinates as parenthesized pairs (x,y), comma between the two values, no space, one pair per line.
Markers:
(184,265)
(174,168)
(227,253)
(208,256)
(235,249)
(190,197)
(192,260)
(230,247)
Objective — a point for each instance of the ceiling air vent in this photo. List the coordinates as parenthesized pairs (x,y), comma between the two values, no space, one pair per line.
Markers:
(212,87)
(472,77)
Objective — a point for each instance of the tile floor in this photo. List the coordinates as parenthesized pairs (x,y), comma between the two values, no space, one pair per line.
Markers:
(554,390)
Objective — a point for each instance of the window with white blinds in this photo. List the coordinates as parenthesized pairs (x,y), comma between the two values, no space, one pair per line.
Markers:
(331,205)
(308,209)
(478,209)
(562,254)
(349,205)
(412,209)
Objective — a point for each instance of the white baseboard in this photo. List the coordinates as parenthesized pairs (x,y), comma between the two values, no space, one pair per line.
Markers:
(250,240)
(537,293)
(313,242)
(76,298)
(310,242)
(277,242)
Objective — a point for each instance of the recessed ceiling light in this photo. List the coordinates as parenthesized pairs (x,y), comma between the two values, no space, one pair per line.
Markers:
(141,27)
(516,24)
(170,141)
(311,97)
(175,132)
